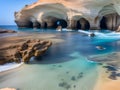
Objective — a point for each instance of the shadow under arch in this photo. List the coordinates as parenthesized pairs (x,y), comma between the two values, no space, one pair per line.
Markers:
(85,25)
(55,19)
(81,22)
(103,24)
(60,22)
(108,18)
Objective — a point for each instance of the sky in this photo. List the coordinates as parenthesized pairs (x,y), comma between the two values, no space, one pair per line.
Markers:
(8,7)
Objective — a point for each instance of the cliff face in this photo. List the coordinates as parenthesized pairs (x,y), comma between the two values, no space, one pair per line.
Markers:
(75,14)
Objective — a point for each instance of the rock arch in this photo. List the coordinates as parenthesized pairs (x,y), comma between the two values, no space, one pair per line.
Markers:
(103,23)
(108,18)
(54,19)
(36,25)
(94,12)
(60,22)
(85,25)
(80,22)
(24,24)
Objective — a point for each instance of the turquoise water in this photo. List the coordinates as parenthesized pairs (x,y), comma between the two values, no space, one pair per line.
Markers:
(64,66)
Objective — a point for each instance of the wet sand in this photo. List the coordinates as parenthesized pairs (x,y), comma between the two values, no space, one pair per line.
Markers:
(8,39)
(110,59)
(105,83)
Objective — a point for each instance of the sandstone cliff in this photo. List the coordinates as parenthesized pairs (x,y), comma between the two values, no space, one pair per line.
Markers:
(75,14)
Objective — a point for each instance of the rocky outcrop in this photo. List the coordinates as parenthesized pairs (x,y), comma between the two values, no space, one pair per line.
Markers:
(112,59)
(118,29)
(23,52)
(6,31)
(74,14)
(91,35)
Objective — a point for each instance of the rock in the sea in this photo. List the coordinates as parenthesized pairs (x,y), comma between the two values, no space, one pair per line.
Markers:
(91,35)
(118,29)
(24,51)
(7,31)
(59,28)
(100,48)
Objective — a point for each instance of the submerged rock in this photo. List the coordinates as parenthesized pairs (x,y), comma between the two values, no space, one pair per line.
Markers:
(73,78)
(110,68)
(64,85)
(113,75)
(24,51)
(100,48)
(91,35)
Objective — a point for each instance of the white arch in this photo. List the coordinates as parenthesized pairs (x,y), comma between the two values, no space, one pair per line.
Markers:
(56,14)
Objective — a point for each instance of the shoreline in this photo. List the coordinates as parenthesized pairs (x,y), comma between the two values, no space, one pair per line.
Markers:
(105,83)
(109,71)
(20,37)
(9,66)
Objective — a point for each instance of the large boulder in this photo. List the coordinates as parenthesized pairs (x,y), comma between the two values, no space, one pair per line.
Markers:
(24,51)
(6,31)
(118,29)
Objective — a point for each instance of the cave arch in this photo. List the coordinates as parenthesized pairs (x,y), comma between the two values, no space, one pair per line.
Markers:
(29,24)
(60,22)
(53,22)
(108,18)
(36,25)
(82,23)
(44,25)
(78,25)
(110,21)
(103,23)
(55,19)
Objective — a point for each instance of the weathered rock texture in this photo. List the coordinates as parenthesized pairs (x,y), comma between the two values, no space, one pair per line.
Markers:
(74,14)
(24,51)
(110,59)
(6,31)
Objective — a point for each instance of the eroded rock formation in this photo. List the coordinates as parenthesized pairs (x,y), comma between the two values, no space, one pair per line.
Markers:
(6,31)
(74,14)
(24,51)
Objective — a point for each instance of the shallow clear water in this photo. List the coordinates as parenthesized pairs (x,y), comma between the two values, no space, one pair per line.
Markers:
(64,66)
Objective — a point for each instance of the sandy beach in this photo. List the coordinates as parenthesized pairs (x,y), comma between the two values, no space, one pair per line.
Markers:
(105,83)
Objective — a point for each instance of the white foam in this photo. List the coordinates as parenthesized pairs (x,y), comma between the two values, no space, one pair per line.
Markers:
(111,35)
(9,66)
(65,29)
(86,32)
